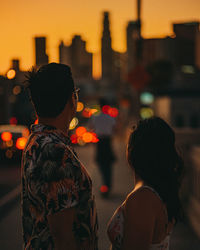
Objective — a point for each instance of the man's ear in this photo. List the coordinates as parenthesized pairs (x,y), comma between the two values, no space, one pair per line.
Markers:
(73,103)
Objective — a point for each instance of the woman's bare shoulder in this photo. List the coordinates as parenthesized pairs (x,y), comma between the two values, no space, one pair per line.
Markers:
(143,198)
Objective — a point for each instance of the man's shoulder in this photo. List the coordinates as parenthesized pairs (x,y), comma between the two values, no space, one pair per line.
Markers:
(42,148)
(53,158)
(42,141)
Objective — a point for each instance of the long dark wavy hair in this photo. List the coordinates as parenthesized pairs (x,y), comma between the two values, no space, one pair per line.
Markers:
(151,152)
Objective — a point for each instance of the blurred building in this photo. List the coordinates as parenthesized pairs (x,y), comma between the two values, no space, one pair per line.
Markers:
(5,92)
(186,34)
(179,109)
(19,74)
(181,49)
(180,104)
(106,49)
(157,49)
(77,57)
(64,54)
(132,39)
(14,99)
(197,50)
(41,57)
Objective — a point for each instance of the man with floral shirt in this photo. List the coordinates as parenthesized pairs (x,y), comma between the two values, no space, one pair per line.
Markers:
(58,207)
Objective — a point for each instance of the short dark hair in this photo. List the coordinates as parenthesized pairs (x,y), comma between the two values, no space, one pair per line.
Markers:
(153,156)
(50,88)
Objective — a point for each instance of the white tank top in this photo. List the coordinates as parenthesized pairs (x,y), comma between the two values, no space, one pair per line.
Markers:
(116,226)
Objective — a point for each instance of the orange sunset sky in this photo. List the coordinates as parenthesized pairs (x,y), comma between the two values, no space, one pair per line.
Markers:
(21,20)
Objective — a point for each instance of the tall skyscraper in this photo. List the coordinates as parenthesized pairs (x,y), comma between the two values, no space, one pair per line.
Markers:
(106,49)
(77,57)
(41,57)
(158,49)
(186,35)
(131,43)
(134,40)
(64,54)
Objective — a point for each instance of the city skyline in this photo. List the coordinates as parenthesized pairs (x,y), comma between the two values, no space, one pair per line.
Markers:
(20,25)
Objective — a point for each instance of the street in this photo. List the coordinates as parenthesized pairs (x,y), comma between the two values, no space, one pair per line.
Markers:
(10,223)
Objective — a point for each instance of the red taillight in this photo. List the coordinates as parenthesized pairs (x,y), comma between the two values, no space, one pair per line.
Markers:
(13,121)
(94,137)
(74,139)
(21,142)
(104,189)
(6,136)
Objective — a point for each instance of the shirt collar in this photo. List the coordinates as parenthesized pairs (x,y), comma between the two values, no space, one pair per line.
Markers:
(42,128)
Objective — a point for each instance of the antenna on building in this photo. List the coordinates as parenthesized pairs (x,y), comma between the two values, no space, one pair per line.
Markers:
(138,9)
(139,41)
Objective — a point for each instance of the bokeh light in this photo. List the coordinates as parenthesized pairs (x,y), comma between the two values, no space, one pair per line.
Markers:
(105,109)
(94,111)
(87,113)
(13,121)
(74,138)
(104,189)
(73,123)
(9,143)
(81,141)
(6,136)
(98,110)
(113,112)
(125,103)
(11,74)
(17,90)
(87,137)
(146,113)
(80,131)
(94,137)
(36,121)
(146,98)
(80,107)
(21,143)
(82,136)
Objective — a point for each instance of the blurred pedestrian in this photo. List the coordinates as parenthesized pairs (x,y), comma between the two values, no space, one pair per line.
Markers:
(103,125)
(58,207)
(147,216)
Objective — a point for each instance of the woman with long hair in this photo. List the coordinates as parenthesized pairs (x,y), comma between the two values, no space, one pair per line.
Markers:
(145,220)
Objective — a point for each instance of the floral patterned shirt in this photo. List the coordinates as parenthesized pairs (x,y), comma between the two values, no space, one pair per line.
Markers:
(53,179)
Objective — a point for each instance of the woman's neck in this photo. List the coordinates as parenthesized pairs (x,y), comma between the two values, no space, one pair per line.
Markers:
(138,182)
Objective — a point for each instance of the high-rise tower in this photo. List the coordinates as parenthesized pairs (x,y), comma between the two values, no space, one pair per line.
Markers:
(106,48)
(41,57)
(186,43)
(134,40)
(131,43)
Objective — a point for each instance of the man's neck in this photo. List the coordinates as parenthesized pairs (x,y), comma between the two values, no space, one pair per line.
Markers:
(63,126)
